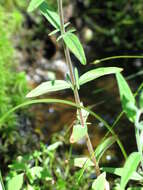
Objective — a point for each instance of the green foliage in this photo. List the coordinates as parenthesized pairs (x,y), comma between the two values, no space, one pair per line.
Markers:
(50,86)
(73,43)
(42,170)
(13,85)
(100,182)
(127,98)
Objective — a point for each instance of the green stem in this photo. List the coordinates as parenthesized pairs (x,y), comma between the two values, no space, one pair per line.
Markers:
(119,57)
(75,90)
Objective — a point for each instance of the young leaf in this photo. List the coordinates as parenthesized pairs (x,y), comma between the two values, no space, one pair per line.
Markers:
(80,162)
(96,73)
(16,182)
(103,147)
(100,182)
(47,11)
(73,43)
(119,172)
(127,98)
(78,133)
(34,4)
(47,87)
(130,167)
(141,100)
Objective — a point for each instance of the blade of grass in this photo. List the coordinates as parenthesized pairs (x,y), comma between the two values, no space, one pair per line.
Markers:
(59,101)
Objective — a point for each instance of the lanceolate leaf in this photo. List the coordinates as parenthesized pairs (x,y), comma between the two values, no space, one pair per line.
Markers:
(103,147)
(78,133)
(47,87)
(127,98)
(16,182)
(130,167)
(96,73)
(100,182)
(119,172)
(73,43)
(50,15)
(34,4)
(85,161)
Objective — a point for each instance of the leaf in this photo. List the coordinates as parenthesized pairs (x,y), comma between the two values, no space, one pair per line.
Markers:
(73,43)
(78,133)
(127,98)
(34,4)
(34,173)
(100,182)
(49,13)
(129,167)
(119,172)
(96,73)
(141,100)
(54,146)
(85,161)
(46,87)
(135,188)
(103,147)
(16,182)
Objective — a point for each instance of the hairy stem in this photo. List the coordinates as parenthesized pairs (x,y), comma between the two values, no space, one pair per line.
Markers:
(75,91)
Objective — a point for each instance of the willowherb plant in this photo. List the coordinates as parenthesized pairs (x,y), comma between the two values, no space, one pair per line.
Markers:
(73,81)
(70,43)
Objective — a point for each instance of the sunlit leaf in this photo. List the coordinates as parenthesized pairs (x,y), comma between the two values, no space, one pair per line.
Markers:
(78,133)
(16,182)
(73,43)
(135,188)
(96,73)
(50,14)
(129,167)
(85,161)
(103,146)
(34,4)
(100,182)
(119,172)
(54,146)
(127,98)
(50,86)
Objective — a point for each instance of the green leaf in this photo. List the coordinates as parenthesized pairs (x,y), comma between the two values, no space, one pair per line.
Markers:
(100,182)
(34,4)
(96,73)
(54,146)
(127,98)
(46,87)
(77,78)
(16,182)
(73,43)
(85,161)
(141,100)
(129,167)
(49,13)
(78,133)
(135,188)
(119,172)
(103,147)
(34,173)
